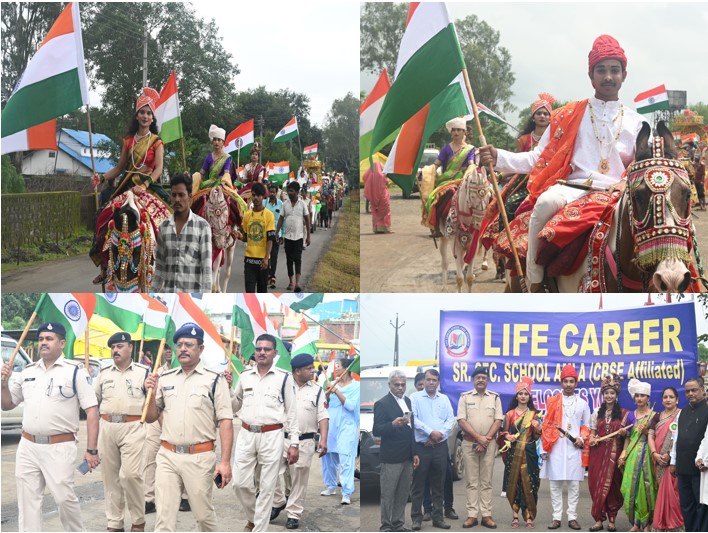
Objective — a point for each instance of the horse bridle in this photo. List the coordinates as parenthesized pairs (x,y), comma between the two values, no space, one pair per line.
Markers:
(654,240)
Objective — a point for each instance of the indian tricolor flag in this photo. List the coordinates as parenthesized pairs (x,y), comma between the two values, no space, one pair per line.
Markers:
(241,139)
(652,100)
(689,138)
(484,111)
(305,341)
(278,172)
(429,58)
(53,84)
(249,315)
(404,158)
(167,115)
(299,301)
(153,317)
(71,310)
(369,112)
(312,149)
(124,310)
(288,132)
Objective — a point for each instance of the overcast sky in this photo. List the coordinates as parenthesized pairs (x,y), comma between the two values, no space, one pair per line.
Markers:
(549,45)
(307,47)
(421,314)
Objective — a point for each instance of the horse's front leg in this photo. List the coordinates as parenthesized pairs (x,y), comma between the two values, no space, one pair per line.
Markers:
(228,261)
(216,273)
(443,259)
(459,255)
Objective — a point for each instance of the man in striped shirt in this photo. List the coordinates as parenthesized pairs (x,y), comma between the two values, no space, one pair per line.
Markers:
(183,251)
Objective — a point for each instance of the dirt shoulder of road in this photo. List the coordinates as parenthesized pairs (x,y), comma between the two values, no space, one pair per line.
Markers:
(31,255)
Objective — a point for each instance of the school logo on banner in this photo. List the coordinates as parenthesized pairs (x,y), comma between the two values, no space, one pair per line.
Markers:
(457,341)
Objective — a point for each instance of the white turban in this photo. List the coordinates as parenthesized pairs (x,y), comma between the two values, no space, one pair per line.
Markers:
(639,387)
(215,132)
(458,122)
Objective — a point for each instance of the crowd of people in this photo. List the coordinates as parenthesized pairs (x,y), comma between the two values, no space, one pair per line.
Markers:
(171,463)
(188,250)
(654,464)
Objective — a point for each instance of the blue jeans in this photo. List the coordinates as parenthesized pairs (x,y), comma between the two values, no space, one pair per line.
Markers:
(338,463)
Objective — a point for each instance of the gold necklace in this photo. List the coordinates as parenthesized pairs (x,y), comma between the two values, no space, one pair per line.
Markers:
(132,150)
(604,166)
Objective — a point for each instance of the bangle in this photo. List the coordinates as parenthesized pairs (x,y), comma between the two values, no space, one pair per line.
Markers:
(91,451)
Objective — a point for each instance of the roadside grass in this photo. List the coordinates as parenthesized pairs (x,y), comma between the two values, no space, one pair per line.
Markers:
(30,255)
(338,270)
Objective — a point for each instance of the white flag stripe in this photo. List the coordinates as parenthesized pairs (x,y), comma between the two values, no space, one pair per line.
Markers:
(427,21)
(49,61)
(367,120)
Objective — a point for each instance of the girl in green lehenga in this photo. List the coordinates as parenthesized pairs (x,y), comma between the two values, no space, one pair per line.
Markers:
(639,485)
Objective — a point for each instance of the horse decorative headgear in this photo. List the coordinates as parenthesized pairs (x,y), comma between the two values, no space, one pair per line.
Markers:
(150,98)
(654,239)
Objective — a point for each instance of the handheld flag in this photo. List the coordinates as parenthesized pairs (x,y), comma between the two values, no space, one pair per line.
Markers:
(288,132)
(71,310)
(240,139)
(310,150)
(652,100)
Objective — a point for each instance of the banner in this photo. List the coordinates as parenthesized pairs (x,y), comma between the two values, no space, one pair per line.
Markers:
(655,344)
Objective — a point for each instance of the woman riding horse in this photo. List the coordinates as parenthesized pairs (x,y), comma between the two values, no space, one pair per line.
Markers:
(142,160)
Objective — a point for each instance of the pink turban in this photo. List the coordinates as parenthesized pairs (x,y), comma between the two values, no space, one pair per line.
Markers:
(569,372)
(150,98)
(606,47)
(545,100)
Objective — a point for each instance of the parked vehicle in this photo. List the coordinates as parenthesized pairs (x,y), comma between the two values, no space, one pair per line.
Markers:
(12,419)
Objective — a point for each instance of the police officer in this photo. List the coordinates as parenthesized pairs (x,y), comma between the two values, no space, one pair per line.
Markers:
(190,399)
(312,417)
(121,395)
(264,397)
(479,413)
(53,389)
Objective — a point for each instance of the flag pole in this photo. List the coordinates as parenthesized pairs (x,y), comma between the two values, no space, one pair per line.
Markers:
(329,330)
(231,342)
(86,350)
(142,340)
(93,163)
(22,337)
(497,191)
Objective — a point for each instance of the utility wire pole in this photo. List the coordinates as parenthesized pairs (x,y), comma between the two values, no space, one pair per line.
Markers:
(261,122)
(395,346)
(145,56)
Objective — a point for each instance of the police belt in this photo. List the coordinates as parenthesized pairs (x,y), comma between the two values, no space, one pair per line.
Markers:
(119,419)
(189,448)
(253,428)
(49,439)
(304,436)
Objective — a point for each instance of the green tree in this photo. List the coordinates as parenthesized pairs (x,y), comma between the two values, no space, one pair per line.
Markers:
(17,308)
(341,135)
(11,181)
(381,30)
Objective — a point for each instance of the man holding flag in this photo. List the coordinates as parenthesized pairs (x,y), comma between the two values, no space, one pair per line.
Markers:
(52,390)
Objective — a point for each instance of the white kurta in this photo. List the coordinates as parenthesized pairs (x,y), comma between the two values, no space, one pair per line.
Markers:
(703,454)
(564,462)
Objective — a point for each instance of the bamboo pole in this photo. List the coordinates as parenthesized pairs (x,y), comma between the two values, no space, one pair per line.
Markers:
(93,163)
(142,340)
(231,342)
(497,191)
(613,434)
(22,339)
(86,350)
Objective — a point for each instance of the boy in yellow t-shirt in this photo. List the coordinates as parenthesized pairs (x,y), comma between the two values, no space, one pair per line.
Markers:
(258,234)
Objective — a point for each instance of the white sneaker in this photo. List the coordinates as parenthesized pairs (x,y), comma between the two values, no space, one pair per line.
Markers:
(328,492)
(346,500)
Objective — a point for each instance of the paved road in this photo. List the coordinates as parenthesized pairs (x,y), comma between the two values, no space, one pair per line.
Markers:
(321,514)
(371,513)
(75,274)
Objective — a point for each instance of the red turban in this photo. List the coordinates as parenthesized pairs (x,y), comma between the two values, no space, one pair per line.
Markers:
(525,383)
(569,372)
(606,47)
(545,100)
(150,98)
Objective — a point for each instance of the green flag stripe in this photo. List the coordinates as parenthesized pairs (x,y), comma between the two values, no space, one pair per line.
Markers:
(286,137)
(42,101)
(171,130)
(654,107)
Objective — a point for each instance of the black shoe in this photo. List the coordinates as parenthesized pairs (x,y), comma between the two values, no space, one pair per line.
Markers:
(451,514)
(275,511)
(292,523)
(184,505)
(416,525)
(427,517)
(149,507)
(440,524)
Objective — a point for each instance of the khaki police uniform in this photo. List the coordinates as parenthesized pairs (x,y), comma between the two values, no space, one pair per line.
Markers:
(310,411)
(191,406)
(267,408)
(46,453)
(121,439)
(480,411)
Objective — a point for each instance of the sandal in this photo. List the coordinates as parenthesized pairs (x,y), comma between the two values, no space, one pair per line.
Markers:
(597,527)
(529,524)
(611,527)
(515,523)
(99,279)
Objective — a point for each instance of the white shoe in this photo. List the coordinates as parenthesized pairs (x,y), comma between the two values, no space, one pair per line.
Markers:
(328,492)
(346,500)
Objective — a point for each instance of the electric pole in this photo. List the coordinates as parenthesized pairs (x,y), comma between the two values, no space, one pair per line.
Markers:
(145,57)
(395,346)
(261,122)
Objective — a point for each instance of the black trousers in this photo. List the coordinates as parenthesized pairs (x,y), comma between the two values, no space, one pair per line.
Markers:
(433,465)
(293,256)
(273,265)
(256,279)
(447,490)
(694,514)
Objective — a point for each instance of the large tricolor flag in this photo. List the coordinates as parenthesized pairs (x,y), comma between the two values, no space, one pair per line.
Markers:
(429,58)
(124,310)
(169,122)
(369,112)
(304,341)
(71,310)
(288,132)
(652,100)
(404,158)
(249,315)
(300,301)
(153,317)
(240,139)
(312,149)
(53,84)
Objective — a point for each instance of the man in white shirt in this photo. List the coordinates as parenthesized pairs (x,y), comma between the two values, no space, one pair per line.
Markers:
(603,147)
(297,228)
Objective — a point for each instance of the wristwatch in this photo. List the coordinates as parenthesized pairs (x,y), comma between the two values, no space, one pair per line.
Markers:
(294,444)
(91,452)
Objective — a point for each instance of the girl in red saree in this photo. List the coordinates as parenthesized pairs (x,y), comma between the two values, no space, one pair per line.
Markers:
(521,429)
(667,514)
(604,477)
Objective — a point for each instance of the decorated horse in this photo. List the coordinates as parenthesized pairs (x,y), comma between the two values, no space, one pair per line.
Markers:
(457,217)
(643,239)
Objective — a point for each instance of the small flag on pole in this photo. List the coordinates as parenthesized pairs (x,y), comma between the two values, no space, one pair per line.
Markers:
(240,139)
(652,100)
(289,131)
(312,149)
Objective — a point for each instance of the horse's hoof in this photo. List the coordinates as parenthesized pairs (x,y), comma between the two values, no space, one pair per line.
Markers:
(485,265)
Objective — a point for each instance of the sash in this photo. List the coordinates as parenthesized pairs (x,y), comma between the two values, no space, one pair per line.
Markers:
(138,151)
(213,180)
(554,162)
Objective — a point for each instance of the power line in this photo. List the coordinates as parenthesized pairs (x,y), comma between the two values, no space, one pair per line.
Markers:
(124,29)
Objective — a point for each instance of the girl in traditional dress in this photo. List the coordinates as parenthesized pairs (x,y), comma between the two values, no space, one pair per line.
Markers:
(638,480)
(521,428)
(142,160)
(376,191)
(667,513)
(604,477)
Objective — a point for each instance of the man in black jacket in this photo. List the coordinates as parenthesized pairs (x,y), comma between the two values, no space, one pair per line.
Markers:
(392,422)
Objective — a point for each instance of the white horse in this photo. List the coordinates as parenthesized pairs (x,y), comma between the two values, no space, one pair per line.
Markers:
(223,237)
(460,226)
